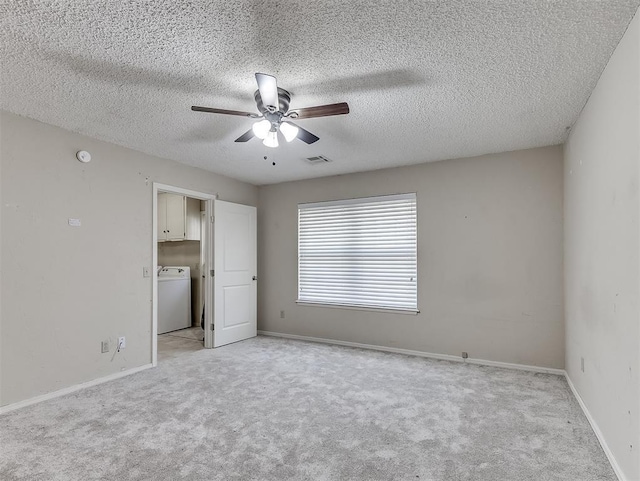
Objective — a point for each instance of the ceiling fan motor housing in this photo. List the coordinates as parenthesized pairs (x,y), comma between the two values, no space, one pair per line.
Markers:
(284,99)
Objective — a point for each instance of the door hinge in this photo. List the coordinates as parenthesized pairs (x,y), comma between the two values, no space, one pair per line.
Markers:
(212,272)
(212,219)
(212,327)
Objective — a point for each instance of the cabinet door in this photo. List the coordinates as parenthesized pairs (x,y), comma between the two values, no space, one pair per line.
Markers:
(162,217)
(175,217)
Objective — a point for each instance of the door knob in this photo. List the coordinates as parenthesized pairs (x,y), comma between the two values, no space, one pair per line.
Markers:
(254,278)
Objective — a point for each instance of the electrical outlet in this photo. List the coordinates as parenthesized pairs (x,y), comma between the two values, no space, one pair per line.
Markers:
(122,343)
(104,347)
(582,364)
(465,355)
(281,314)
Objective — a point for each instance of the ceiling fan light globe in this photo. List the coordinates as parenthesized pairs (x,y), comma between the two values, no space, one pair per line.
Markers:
(271,140)
(261,128)
(289,131)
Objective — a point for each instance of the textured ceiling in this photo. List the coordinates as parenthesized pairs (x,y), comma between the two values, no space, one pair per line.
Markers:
(425,80)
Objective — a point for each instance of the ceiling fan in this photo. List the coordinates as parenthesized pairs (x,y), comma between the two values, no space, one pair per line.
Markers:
(273,105)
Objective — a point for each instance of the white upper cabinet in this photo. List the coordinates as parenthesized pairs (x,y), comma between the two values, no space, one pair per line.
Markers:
(178,218)
(176,211)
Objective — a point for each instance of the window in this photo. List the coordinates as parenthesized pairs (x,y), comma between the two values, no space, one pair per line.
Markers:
(359,252)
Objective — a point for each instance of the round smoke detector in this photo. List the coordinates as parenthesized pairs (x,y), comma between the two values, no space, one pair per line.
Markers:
(83,156)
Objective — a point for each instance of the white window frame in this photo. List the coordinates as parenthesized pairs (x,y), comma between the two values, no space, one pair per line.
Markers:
(361,290)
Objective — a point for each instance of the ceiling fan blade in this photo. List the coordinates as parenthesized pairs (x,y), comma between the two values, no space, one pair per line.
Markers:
(305,135)
(268,88)
(248,135)
(320,111)
(211,110)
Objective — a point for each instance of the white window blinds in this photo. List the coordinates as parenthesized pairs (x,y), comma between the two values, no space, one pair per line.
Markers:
(359,252)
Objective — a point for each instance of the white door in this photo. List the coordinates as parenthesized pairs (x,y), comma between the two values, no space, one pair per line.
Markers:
(202,267)
(235,281)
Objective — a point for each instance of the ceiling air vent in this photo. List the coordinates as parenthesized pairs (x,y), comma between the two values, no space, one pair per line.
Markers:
(318,159)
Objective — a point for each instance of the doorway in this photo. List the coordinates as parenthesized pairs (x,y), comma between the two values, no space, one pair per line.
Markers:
(182,252)
(224,261)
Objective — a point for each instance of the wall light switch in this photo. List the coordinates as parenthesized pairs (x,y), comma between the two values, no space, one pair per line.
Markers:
(146,272)
(75,222)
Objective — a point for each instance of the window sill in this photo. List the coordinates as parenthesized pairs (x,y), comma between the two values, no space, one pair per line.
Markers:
(410,312)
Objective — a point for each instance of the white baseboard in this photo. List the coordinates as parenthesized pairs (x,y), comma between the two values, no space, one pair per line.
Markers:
(596,430)
(70,389)
(409,352)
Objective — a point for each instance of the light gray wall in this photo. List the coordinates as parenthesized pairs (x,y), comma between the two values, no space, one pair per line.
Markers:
(489,259)
(64,289)
(180,253)
(601,253)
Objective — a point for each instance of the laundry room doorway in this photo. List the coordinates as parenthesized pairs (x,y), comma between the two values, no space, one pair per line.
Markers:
(204,275)
(182,252)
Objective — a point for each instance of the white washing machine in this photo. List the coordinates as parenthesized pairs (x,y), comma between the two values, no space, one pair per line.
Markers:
(174,298)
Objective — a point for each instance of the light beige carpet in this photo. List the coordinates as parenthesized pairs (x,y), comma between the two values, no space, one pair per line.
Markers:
(272,409)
